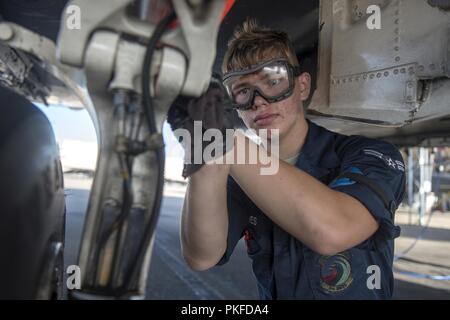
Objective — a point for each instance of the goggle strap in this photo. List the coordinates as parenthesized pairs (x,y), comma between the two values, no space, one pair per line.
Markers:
(296,71)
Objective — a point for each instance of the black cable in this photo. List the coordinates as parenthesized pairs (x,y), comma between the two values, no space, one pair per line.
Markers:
(402,256)
(147,105)
(125,165)
(127,202)
(419,236)
(138,127)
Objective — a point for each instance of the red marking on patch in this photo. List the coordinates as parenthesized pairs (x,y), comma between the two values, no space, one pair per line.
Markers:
(329,279)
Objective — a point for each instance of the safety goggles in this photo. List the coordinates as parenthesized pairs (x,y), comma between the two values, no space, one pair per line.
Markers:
(273,80)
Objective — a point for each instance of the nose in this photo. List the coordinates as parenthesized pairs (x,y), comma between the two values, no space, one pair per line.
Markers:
(259,102)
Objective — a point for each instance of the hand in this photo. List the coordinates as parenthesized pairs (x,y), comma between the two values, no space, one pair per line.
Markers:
(212,110)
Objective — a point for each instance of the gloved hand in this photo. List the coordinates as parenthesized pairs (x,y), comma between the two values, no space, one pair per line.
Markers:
(213,109)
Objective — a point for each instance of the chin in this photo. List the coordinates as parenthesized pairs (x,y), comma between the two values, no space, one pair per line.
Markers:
(270,132)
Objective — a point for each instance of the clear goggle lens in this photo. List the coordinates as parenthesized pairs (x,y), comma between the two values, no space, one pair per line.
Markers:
(272,80)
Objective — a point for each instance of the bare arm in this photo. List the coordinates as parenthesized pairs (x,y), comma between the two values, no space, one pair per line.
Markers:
(326,220)
(204,221)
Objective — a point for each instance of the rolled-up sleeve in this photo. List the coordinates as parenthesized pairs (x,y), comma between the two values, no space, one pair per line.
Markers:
(382,169)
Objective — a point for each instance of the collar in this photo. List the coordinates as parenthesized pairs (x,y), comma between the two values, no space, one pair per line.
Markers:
(317,154)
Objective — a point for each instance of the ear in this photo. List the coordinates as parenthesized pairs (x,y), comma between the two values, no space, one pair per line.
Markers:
(304,80)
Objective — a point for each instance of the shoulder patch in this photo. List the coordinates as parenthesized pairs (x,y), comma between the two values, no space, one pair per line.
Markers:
(394,164)
(336,272)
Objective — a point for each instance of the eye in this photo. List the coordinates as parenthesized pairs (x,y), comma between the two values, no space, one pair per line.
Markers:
(242,92)
(274,82)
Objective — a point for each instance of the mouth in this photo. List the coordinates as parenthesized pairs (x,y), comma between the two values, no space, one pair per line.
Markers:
(265,119)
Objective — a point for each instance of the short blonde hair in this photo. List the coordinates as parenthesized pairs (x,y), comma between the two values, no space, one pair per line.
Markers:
(252,44)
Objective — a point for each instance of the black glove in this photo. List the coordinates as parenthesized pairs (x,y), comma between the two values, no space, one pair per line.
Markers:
(213,109)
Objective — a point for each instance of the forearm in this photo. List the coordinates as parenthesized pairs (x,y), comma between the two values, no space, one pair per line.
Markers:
(324,219)
(204,222)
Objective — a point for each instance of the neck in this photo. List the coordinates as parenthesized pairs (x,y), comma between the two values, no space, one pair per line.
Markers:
(292,142)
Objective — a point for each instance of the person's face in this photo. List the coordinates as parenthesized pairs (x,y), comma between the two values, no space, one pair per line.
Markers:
(281,115)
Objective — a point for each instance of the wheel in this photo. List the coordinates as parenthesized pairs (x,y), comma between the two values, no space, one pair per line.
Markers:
(32,206)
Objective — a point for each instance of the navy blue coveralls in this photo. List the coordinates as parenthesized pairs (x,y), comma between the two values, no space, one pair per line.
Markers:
(370,170)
